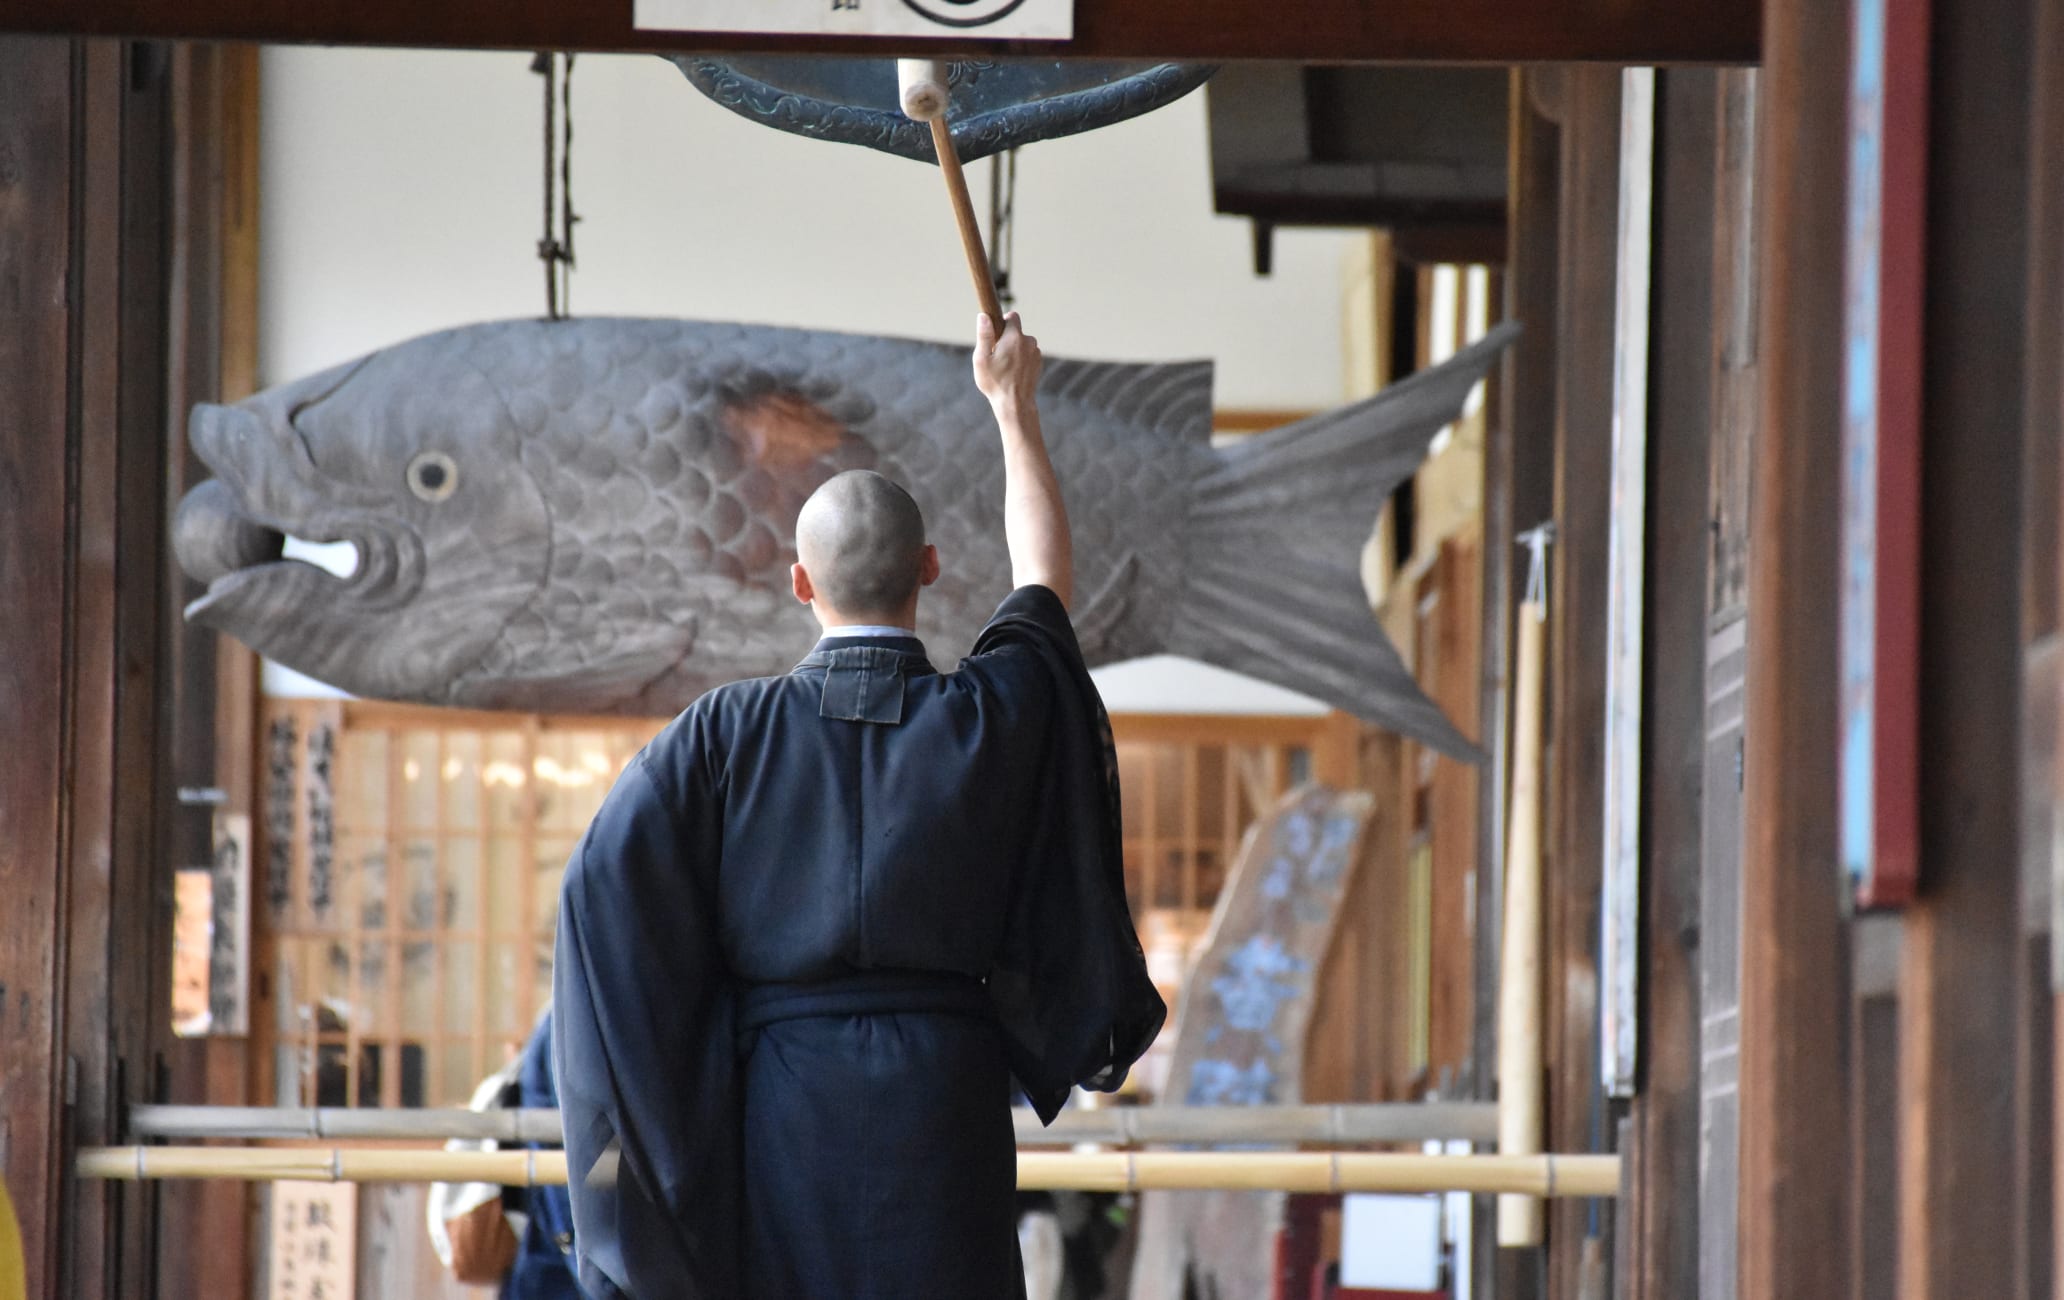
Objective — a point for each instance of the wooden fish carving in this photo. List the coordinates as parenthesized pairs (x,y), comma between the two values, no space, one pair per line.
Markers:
(598,515)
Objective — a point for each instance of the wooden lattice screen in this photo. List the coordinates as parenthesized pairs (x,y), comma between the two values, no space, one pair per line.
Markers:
(411,858)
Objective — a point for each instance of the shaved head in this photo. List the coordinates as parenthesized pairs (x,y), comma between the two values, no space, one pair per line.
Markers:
(862,540)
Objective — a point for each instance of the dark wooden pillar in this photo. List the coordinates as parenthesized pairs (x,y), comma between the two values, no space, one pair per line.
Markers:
(1659,1240)
(1577,651)
(1795,1193)
(85,931)
(1963,960)
(204,1243)
(2043,373)
(1735,412)
(35,246)
(2042,422)
(1519,479)
(1533,278)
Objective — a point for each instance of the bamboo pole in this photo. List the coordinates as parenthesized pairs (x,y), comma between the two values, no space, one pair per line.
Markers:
(1343,1124)
(1321,1171)
(193,1123)
(1520,1218)
(1118,1171)
(524,1168)
(1121,1126)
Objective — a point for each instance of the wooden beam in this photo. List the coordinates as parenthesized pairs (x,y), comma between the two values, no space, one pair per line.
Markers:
(1874,1046)
(1660,1241)
(1533,298)
(202,1236)
(35,255)
(1795,1190)
(2057,1104)
(118,948)
(1452,806)
(1335,31)
(2043,390)
(97,275)
(1734,417)
(1245,419)
(202,1242)
(1382,929)
(1497,561)
(2034,1119)
(1519,476)
(2037,1166)
(193,343)
(1737,303)
(1957,1000)
(1577,646)
(84,780)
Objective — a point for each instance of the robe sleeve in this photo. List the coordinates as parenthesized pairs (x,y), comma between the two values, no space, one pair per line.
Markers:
(1070,985)
(642,1035)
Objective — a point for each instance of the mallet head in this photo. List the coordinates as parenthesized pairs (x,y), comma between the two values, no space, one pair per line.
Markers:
(921,87)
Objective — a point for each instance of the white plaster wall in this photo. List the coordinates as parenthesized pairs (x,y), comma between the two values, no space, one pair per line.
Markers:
(400,194)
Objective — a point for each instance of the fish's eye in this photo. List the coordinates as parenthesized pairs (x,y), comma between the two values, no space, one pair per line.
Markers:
(433,476)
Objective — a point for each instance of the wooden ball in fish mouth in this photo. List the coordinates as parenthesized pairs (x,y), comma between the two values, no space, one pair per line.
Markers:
(921,89)
(212,535)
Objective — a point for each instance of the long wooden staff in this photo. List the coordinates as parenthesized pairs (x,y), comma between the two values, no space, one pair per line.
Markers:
(1519,977)
(921,89)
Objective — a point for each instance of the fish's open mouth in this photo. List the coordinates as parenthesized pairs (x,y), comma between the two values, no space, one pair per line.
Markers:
(338,559)
(230,548)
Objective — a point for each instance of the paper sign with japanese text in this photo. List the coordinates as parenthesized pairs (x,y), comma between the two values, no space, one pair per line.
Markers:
(314,1247)
(1051,20)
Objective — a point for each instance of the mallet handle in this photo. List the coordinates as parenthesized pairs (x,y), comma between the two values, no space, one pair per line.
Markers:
(964,216)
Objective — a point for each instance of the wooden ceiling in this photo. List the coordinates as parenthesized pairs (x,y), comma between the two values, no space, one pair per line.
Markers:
(1323,31)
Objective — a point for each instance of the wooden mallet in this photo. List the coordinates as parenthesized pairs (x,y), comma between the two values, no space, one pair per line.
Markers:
(921,89)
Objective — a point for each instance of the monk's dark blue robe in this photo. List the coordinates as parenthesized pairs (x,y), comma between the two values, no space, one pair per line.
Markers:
(817,930)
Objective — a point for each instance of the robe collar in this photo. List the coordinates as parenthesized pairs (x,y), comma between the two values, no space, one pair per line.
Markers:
(908,645)
(863,675)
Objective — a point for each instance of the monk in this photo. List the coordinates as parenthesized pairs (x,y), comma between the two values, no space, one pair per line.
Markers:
(826,924)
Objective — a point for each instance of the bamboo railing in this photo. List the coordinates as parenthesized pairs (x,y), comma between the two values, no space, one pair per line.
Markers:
(1110,1126)
(1112,1171)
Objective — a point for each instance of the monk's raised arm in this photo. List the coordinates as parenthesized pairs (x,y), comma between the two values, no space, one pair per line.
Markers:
(1035,520)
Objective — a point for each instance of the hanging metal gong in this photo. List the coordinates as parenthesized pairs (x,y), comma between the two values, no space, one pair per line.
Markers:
(994,106)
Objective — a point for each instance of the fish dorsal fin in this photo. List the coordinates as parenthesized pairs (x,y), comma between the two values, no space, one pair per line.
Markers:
(1169,397)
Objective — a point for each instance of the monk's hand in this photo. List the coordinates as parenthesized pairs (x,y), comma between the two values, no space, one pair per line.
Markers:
(1007,365)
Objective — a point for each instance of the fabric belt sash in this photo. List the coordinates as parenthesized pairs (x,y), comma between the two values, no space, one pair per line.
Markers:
(869,993)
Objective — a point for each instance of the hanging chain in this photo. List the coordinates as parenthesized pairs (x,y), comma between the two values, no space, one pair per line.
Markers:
(548,249)
(1003,226)
(555,247)
(568,218)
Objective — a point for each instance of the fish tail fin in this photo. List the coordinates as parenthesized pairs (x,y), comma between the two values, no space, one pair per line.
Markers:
(1273,587)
